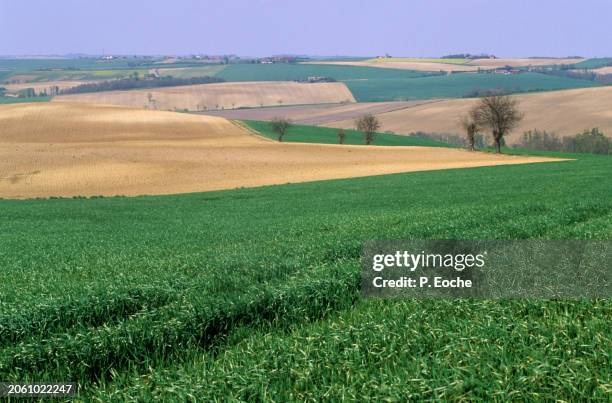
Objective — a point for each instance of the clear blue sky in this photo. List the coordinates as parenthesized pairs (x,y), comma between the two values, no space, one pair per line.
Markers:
(314,27)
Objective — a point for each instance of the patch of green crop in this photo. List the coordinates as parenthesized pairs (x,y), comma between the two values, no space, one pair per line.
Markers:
(15,100)
(386,350)
(328,135)
(188,72)
(458,85)
(594,63)
(254,293)
(290,72)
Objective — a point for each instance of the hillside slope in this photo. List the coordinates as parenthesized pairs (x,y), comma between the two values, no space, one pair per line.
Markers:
(61,149)
(220,96)
(563,112)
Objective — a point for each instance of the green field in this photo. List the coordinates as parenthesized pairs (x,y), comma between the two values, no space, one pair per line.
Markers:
(96,69)
(457,86)
(81,64)
(253,294)
(188,72)
(13,100)
(290,72)
(327,135)
(594,63)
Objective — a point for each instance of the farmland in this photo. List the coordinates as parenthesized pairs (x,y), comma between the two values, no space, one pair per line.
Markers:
(198,316)
(84,150)
(315,114)
(518,62)
(458,86)
(594,63)
(408,64)
(562,112)
(452,65)
(288,72)
(219,96)
(43,86)
(603,70)
(326,135)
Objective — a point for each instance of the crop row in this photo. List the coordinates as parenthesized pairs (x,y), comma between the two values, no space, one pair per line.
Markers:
(194,320)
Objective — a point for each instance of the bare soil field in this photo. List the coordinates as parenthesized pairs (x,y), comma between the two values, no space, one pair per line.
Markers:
(472,65)
(315,114)
(43,85)
(603,70)
(220,96)
(63,149)
(563,112)
(515,62)
(417,66)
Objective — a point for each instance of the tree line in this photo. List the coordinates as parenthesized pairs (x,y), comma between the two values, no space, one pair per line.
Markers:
(591,141)
(496,114)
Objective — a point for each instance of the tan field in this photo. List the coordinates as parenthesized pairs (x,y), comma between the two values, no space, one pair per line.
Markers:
(43,85)
(516,62)
(563,112)
(220,96)
(405,65)
(603,70)
(315,114)
(62,149)
(472,65)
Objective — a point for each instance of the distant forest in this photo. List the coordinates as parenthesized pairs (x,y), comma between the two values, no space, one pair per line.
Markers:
(137,83)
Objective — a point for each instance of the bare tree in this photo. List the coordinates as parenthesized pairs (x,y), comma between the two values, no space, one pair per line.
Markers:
(280,126)
(471,128)
(368,124)
(341,136)
(499,113)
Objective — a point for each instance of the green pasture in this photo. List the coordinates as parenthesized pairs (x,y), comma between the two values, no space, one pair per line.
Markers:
(328,135)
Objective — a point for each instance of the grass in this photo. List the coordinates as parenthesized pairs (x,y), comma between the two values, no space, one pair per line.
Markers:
(458,85)
(327,135)
(188,72)
(594,63)
(253,294)
(290,72)
(14,100)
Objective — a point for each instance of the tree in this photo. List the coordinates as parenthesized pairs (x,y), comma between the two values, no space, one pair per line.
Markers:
(499,113)
(341,136)
(368,124)
(280,126)
(471,129)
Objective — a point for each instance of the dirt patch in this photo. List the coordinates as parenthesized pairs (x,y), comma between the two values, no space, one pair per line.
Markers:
(102,150)
(516,62)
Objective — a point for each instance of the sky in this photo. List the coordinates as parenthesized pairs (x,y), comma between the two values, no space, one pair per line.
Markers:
(418,28)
